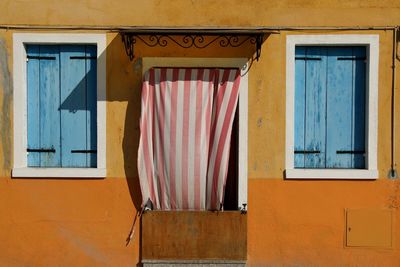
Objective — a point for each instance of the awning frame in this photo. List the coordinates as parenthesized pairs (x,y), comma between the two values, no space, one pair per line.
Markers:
(193,38)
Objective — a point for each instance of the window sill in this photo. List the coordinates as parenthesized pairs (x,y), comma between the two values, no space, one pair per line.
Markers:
(59,172)
(347,174)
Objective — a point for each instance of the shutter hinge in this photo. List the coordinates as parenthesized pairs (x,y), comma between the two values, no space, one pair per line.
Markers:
(93,151)
(307,152)
(308,58)
(350,152)
(41,150)
(41,57)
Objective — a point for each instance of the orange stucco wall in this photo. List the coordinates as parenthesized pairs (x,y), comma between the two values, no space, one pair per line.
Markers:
(61,222)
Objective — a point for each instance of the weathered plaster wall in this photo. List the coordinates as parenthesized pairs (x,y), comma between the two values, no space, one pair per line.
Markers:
(53,222)
(302,223)
(66,223)
(204,12)
(6,103)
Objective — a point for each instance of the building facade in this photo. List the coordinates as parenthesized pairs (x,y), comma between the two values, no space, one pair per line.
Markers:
(316,142)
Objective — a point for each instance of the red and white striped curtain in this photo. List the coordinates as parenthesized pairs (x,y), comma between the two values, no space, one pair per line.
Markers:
(186,125)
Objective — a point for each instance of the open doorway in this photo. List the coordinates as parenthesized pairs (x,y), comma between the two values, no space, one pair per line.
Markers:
(235,197)
(231,187)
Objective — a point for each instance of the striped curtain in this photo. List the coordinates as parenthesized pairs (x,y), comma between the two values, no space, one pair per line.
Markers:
(186,125)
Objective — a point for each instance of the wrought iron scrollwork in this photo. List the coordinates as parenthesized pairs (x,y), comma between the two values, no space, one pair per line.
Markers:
(129,43)
(191,41)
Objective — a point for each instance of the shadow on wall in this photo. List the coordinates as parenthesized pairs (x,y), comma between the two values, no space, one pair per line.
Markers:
(124,80)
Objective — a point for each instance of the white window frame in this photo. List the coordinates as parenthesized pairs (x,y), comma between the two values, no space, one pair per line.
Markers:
(371,42)
(242,63)
(20,168)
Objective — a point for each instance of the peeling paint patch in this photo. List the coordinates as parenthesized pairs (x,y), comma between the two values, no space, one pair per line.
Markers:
(137,65)
(87,247)
(259,122)
(394,202)
(5,118)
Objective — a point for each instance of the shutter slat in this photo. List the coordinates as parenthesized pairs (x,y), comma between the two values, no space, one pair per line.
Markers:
(73,105)
(340,108)
(299,115)
(315,121)
(49,102)
(33,104)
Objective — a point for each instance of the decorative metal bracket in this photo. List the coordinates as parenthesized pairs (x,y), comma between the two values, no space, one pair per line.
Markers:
(198,40)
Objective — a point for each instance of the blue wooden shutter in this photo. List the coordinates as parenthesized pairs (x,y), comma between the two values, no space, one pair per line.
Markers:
(62,106)
(310,107)
(300,107)
(330,107)
(346,108)
(43,81)
(339,107)
(78,106)
(33,104)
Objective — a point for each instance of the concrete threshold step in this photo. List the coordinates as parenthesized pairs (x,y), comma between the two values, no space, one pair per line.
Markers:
(193,263)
